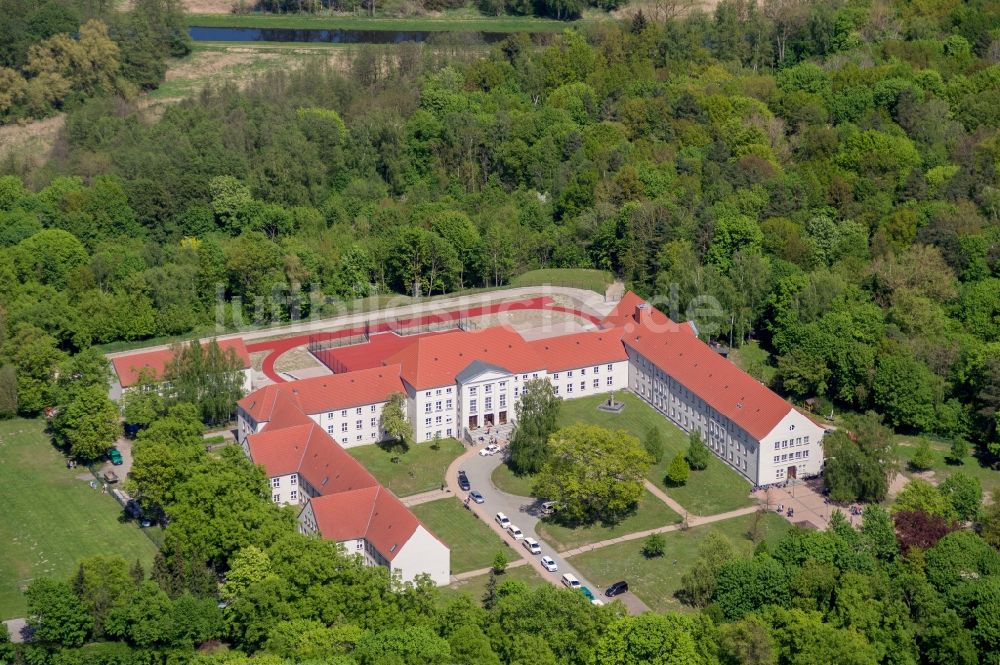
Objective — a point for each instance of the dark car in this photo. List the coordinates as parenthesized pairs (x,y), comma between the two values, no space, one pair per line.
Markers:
(463,481)
(616,589)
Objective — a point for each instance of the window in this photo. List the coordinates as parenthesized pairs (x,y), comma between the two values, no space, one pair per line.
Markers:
(805,453)
(583,386)
(294,479)
(373,408)
(516,391)
(611,380)
(449,431)
(784,457)
(583,371)
(597,368)
(437,405)
(427,407)
(358,411)
(330,415)
(555,389)
(357,424)
(448,404)
(472,406)
(343,426)
(343,414)
(569,373)
(427,422)
(525,376)
(805,440)
(569,387)
(329,429)
(609,367)
(437,420)
(798,441)
(437,435)
(798,454)
(360,545)
(776,459)
(357,438)
(489,403)
(437,392)
(534,375)
(276,498)
(294,496)
(489,388)
(555,376)
(427,394)
(373,422)
(448,391)
(503,385)
(275,482)
(503,400)
(344,441)
(472,390)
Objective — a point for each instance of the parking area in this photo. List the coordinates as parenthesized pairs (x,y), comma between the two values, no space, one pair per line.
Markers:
(525,513)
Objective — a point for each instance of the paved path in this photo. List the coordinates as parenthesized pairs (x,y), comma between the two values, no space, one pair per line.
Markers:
(662,496)
(470,574)
(523,511)
(17,629)
(425,497)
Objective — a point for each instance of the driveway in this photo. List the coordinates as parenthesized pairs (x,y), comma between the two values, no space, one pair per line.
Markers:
(525,513)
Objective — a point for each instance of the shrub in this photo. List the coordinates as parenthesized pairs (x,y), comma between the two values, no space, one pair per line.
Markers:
(654,546)
(678,472)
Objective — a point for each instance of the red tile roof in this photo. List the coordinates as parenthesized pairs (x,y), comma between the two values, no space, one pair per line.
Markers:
(367,355)
(436,360)
(721,384)
(623,315)
(128,367)
(373,513)
(580,349)
(324,393)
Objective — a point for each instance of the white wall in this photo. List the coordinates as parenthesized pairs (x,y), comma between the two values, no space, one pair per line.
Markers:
(343,424)
(423,553)
(286,490)
(795,441)
(433,404)
(580,381)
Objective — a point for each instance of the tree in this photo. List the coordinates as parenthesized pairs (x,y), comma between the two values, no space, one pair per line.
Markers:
(648,638)
(49,257)
(916,529)
(959,450)
(537,413)
(143,403)
(697,453)
(55,614)
(499,563)
(745,585)
(678,471)
(655,545)
(103,582)
(906,391)
(920,496)
(965,494)
(207,376)
(414,645)
(653,443)
(746,642)
(860,463)
(698,583)
(88,425)
(165,454)
(593,473)
(990,523)
(923,458)
(878,533)
(394,421)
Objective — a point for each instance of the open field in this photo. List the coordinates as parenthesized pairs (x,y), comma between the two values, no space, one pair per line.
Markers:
(650,514)
(473,544)
(506,480)
(581,278)
(463,21)
(475,587)
(940,468)
(52,519)
(419,469)
(717,489)
(656,581)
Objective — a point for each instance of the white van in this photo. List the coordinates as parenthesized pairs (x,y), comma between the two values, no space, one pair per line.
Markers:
(570,581)
(514,532)
(502,520)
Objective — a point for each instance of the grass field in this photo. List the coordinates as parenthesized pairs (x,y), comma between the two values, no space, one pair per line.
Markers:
(656,581)
(473,544)
(580,278)
(650,514)
(419,469)
(476,586)
(506,480)
(52,520)
(989,477)
(453,22)
(717,489)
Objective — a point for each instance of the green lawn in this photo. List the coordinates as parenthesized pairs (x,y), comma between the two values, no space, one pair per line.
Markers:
(506,480)
(988,476)
(581,278)
(717,489)
(650,514)
(473,544)
(419,469)
(455,22)
(755,361)
(476,586)
(656,580)
(51,520)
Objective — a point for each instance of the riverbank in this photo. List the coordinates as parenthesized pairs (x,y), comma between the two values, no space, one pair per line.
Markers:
(424,24)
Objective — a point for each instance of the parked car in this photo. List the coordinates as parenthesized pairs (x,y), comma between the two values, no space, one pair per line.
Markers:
(514,532)
(597,601)
(491,449)
(476,496)
(115,456)
(570,581)
(549,564)
(532,546)
(616,589)
(549,508)
(587,592)
(502,520)
(463,481)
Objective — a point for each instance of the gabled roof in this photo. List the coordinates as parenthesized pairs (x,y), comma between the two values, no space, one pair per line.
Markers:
(436,360)
(367,355)
(721,384)
(580,349)
(477,367)
(128,367)
(309,451)
(324,393)
(373,513)
(624,315)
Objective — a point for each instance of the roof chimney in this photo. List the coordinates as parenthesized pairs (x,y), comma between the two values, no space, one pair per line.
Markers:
(642,311)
